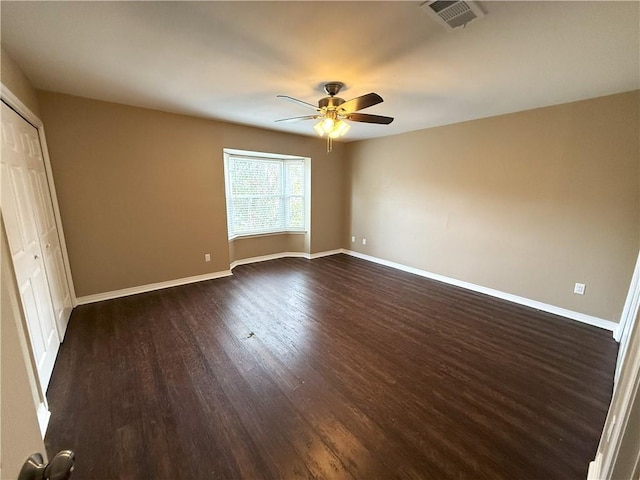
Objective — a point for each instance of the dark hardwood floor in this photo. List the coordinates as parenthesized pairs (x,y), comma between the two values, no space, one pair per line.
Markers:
(330,368)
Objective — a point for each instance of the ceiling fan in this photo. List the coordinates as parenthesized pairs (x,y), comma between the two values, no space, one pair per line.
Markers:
(332,112)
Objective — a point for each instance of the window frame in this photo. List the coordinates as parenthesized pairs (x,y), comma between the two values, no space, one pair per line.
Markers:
(283,161)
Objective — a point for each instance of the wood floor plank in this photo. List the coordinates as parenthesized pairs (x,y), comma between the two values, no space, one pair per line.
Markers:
(334,368)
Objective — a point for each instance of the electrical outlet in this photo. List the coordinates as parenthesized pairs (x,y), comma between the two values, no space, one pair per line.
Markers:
(353,239)
(579,288)
(364,241)
(207,257)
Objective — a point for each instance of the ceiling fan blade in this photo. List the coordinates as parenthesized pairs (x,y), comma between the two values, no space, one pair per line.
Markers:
(296,119)
(359,103)
(299,102)
(366,118)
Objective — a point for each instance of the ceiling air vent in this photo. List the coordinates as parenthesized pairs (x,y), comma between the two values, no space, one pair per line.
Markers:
(452,14)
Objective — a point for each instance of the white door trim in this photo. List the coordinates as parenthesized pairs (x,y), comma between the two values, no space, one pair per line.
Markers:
(628,317)
(16,104)
(625,395)
(626,387)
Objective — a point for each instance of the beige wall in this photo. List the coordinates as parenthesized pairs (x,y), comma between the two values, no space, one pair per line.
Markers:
(527,203)
(13,78)
(141,192)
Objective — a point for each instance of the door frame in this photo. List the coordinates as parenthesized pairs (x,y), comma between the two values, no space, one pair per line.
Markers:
(41,405)
(626,386)
(627,319)
(16,104)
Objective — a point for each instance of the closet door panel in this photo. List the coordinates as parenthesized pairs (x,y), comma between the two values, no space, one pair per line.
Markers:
(20,215)
(49,240)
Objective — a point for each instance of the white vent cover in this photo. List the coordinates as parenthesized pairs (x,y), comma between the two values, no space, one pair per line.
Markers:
(453,14)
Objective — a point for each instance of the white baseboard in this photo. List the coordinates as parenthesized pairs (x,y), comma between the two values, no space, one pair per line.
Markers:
(274,256)
(326,253)
(43,418)
(264,258)
(99,297)
(545,307)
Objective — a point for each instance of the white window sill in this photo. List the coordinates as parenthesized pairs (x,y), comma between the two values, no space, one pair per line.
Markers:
(268,234)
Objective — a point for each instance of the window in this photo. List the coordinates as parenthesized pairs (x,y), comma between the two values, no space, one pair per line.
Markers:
(265,193)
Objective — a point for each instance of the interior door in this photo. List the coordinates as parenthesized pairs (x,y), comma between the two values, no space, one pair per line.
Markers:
(18,171)
(48,232)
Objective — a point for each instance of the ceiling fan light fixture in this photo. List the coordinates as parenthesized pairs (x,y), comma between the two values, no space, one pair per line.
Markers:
(340,129)
(332,110)
(328,125)
(331,128)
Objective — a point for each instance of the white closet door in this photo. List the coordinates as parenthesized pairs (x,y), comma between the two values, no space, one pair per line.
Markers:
(48,232)
(20,219)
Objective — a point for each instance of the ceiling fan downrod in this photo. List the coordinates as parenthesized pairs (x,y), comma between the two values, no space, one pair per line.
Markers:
(332,88)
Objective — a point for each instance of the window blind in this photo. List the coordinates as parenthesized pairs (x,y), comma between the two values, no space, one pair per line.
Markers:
(264,195)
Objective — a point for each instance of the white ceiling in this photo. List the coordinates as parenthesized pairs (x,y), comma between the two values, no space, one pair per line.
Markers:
(229,60)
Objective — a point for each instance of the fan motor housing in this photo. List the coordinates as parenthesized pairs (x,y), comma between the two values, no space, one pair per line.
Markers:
(330,102)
